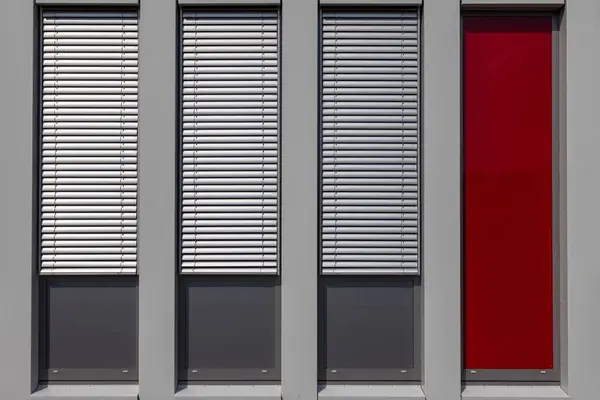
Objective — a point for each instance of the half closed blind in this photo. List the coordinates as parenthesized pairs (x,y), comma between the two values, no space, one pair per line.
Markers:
(370,143)
(89,142)
(230,142)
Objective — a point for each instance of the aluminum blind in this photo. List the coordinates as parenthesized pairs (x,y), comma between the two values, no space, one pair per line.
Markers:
(230,142)
(89,142)
(370,143)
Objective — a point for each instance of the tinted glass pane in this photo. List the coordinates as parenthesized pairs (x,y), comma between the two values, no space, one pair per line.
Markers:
(231,323)
(367,323)
(91,323)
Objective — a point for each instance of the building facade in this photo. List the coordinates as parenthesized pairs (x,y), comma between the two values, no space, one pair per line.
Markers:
(344,199)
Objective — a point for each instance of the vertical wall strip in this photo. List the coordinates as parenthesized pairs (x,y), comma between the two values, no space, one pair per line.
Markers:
(299,191)
(158,205)
(441,188)
(19,211)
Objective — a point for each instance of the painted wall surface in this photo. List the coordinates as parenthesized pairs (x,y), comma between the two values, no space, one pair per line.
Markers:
(508,192)
(442,325)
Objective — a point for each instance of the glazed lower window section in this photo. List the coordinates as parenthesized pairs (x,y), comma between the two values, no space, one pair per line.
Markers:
(88,329)
(229,329)
(368,329)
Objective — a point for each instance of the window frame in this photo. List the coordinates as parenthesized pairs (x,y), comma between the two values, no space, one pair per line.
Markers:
(221,375)
(41,282)
(368,375)
(526,376)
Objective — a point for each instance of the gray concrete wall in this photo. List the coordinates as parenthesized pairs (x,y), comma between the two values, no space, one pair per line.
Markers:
(441,241)
(18,351)
(157,198)
(299,271)
(582,18)
(441,332)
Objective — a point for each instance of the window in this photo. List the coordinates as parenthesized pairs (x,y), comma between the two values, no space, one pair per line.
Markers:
(369,194)
(509,202)
(88,224)
(230,195)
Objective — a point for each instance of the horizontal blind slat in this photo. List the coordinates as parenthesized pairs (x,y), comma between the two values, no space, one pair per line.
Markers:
(230,143)
(89,143)
(370,143)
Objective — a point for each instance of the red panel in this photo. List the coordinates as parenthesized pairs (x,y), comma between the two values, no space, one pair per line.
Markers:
(508,192)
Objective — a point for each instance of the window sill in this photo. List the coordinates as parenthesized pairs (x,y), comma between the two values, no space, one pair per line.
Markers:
(230,392)
(371,392)
(86,392)
(513,392)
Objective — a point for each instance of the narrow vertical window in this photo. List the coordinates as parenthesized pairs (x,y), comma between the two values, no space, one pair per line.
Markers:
(230,143)
(229,194)
(370,186)
(369,194)
(508,198)
(88,216)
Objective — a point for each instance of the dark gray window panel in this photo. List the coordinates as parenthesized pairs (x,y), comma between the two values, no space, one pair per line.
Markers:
(88,141)
(88,328)
(367,328)
(370,142)
(229,328)
(230,142)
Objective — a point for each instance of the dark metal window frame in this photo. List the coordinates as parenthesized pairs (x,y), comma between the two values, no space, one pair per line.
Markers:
(208,375)
(40,283)
(530,376)
(368,375)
